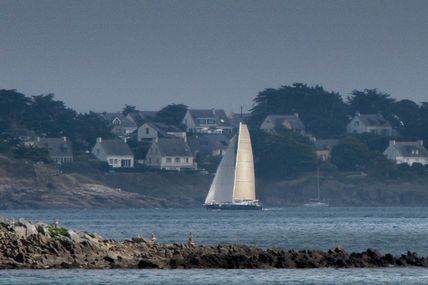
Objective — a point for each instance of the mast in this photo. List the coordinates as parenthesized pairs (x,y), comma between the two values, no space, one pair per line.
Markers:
(318,183)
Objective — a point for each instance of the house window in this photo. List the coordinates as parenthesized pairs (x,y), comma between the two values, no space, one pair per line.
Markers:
(177,160)
(187,160)
(147,131)
(168,160)
(110,161)
(125,163)
(115,161)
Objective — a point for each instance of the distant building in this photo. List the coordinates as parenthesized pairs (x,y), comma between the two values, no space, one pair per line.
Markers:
(369,123)
(212,144)
(407,152)
(153,131)
(115,152)
(323,148)
(141,117)
(121,126)
(274,123)
(59,149)
(209,121)
(170,154)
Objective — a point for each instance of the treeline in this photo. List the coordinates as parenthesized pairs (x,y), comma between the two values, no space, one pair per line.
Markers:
(49,117)
(325,115)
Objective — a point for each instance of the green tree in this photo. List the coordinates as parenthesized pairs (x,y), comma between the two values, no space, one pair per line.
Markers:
(34,154)
(370,101)
(87,128)
(350,154)
(172,114)
(14,107)
(323,113)
(286,154)
(128,109)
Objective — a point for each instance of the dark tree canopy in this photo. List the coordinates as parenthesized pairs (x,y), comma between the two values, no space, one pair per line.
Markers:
(370,101)
(286,154)
(323,113)
(172,114)
(128,109)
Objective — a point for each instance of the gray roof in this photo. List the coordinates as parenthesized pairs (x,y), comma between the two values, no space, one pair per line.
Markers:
(325,144)
(292,120)
(125,122)
(374,120)
(164,129)
(208,142)
(411,149)
(173,147)
(57,147)
(218,114)
(115,147)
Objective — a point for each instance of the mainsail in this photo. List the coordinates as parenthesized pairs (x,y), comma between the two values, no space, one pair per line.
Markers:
(221,190)
(244,188)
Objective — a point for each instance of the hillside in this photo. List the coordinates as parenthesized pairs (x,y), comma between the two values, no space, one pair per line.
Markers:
(26,185)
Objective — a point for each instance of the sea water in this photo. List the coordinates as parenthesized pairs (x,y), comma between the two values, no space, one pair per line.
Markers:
(393,230)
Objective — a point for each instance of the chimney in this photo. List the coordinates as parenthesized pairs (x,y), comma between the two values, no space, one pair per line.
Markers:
(392,142)
(421,142)
(125,139)
(38,139)
(357,114)
(99,139)
(296,115)
(64,139)
(213,110)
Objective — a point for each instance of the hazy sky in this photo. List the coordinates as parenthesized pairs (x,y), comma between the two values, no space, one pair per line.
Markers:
(101,55)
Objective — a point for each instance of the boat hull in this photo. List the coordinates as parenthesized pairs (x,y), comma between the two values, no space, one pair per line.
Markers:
(233,207)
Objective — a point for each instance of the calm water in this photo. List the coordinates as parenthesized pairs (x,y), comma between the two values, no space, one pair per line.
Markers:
(394,230)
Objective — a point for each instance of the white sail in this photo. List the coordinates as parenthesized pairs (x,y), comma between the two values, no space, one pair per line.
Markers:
(244,188)
(221,190)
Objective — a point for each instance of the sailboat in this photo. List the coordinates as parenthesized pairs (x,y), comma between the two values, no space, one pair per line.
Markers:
(234,185)
(316,202)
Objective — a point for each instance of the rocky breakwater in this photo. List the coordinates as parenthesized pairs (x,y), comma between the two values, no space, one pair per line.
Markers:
(42,246)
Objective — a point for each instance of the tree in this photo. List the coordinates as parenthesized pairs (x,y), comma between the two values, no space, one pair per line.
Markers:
(34,154)
(286,154)
(370,101)
(350,154)
(172,114)
(324,113)
(13,108)
(87,128)
(50,117)
(128,109)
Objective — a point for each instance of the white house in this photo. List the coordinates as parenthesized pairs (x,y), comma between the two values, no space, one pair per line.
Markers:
(407,152)
(151,131)
(369,123)
(207,121)
(170,154)
(115,152)
(273,123)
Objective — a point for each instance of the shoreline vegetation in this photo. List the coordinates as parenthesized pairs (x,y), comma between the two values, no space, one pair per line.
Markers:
(27,245)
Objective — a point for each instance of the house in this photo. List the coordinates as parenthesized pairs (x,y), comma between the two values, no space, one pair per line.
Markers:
(151,130)
(207,121)
(120,124)
(170,154)
(59,149)
(115,152)
(273,123)
(407,152)
(212,144)
(323,148)
(369,123)
(141,117)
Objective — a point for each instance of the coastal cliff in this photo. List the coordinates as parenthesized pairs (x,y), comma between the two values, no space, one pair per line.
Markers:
(24,245)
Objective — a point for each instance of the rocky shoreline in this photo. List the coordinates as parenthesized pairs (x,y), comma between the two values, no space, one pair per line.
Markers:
(24,245)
